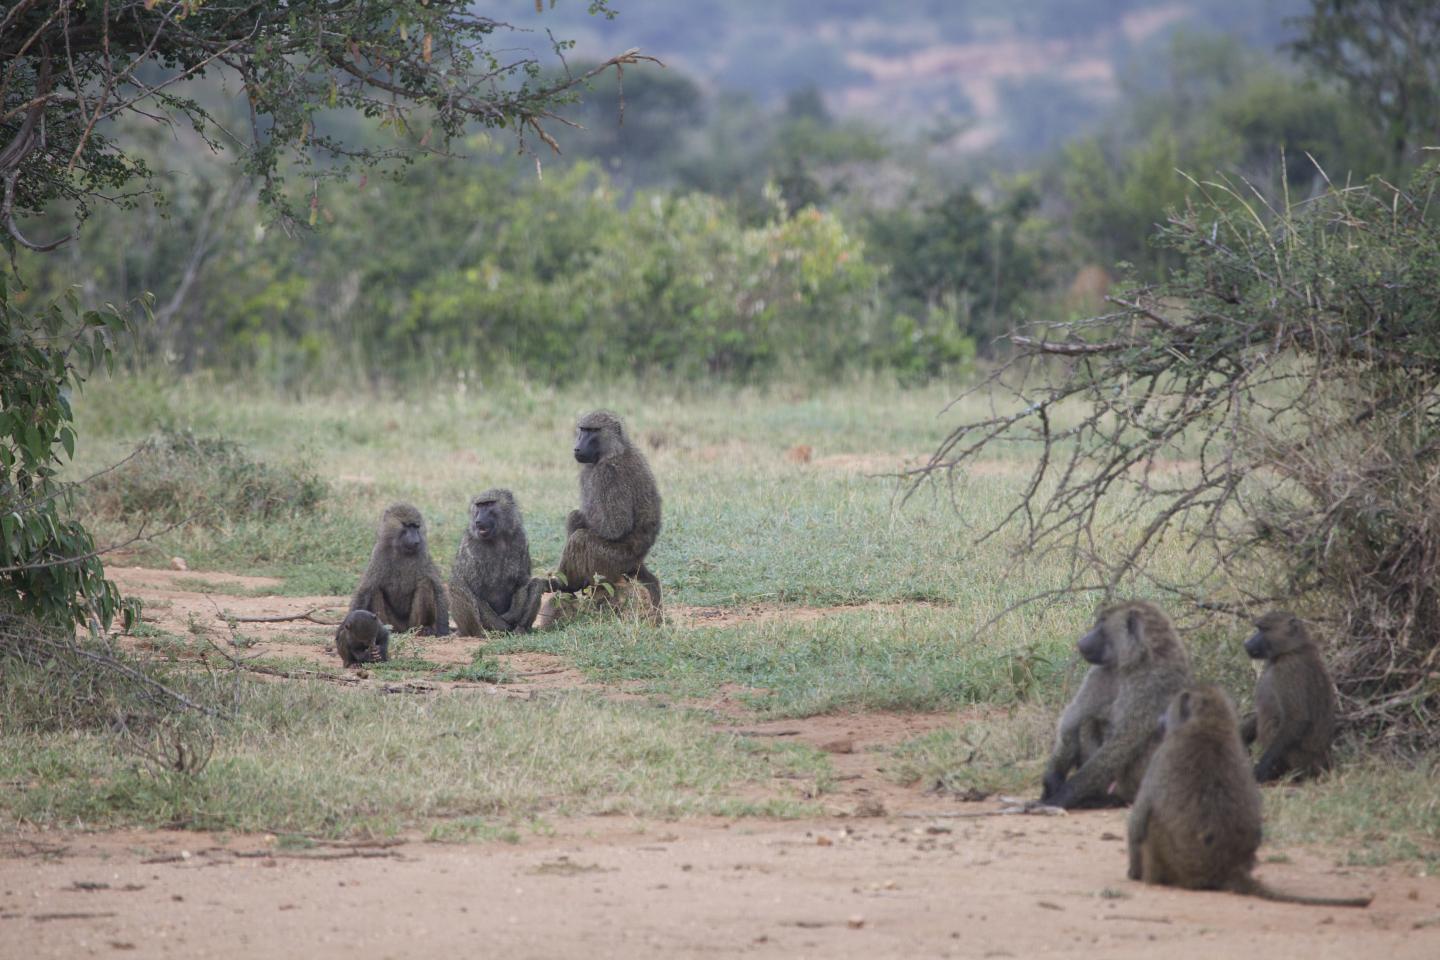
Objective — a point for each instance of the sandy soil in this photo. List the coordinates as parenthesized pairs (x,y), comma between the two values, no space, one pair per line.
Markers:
(894,872)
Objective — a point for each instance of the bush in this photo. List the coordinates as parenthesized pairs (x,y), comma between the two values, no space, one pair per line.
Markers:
(1288,373)
(49,568)
(176,475)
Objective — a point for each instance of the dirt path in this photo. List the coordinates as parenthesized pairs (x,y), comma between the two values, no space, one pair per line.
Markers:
(997,887)
(895,873)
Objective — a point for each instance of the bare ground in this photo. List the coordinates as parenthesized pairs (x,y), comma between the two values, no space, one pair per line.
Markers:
(894,872)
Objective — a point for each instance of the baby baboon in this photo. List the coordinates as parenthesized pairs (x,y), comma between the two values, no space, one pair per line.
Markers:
(362,638)
(1108,730)
(1196,820)
(490,583)
(619,515)
(401,585)
(1294,716)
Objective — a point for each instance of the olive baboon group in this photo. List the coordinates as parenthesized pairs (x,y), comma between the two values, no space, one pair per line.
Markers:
(1195,814)
(1139,731)
(491,585)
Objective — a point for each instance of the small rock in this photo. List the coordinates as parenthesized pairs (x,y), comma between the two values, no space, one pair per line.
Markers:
(823,841)
(843,745)
(178,563)
(855,922)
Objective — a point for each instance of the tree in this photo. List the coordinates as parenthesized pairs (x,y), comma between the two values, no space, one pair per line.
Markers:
(1388,53)
(69,69)
(424,68)
(1269,414)
(49,568)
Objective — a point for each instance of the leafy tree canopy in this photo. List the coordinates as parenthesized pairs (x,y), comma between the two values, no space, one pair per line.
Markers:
(426,68)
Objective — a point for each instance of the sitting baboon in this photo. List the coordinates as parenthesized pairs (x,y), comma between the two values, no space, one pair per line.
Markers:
(1196,819)
(1108,730)
(401,585)
(490,583)
(362,638)
(1294,717)
(619,515)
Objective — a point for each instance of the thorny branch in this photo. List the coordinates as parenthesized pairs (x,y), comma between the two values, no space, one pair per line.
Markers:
(1262,428)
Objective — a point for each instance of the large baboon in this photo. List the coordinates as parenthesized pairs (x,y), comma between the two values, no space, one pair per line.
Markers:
(619,515)
(1108,729)
(1294,717)
(1196,819)
(362,638)
(401,585)
(490,583)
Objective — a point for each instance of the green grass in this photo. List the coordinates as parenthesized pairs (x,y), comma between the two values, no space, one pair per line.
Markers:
(307,758)
(1381,808)
(902,658)
(1002,754)
(744,525)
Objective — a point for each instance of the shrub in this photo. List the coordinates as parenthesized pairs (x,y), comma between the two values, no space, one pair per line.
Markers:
(1293,362)
(176,475)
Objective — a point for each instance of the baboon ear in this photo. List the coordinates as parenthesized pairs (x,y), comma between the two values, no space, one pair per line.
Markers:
(1134,625)
(1294,623)
(1184,705)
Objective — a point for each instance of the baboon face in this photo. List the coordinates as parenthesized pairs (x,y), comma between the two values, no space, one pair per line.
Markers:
(363,628)
(598,435)
(1113,633)
(490,513)
(1276,633)
(406,529)
(1125,634)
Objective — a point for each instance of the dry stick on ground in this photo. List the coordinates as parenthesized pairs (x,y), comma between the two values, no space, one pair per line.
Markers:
(240,664)
(357,854)
(71,648)
(229,617)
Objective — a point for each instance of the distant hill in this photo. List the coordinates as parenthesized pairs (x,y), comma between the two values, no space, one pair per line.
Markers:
(1018,73)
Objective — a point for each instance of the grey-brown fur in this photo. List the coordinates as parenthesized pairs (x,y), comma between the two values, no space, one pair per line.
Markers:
(1108,731)
(401,585)
(619,516)
(362,638)
(1295,704)
(490,584)
(1196,820)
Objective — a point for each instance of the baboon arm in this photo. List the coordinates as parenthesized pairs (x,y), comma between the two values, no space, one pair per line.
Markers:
(1062,761)
(489,619)
(614,519)
(1272,765)
(363,595)
(575,521)
(1093,779)
(524,605)
(1248,728)
(442,607)
(1139,827)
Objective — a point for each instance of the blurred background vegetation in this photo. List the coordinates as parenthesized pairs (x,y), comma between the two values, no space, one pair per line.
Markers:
(804,191)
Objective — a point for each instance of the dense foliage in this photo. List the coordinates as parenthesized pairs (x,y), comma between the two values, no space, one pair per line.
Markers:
(49,569)
(426,70)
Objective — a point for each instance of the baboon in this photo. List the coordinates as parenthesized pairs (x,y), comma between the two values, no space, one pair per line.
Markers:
(619,515)
(1196,820)
(490,583)
(362,638)
(401,585)
(1294,717)
(1108,729)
